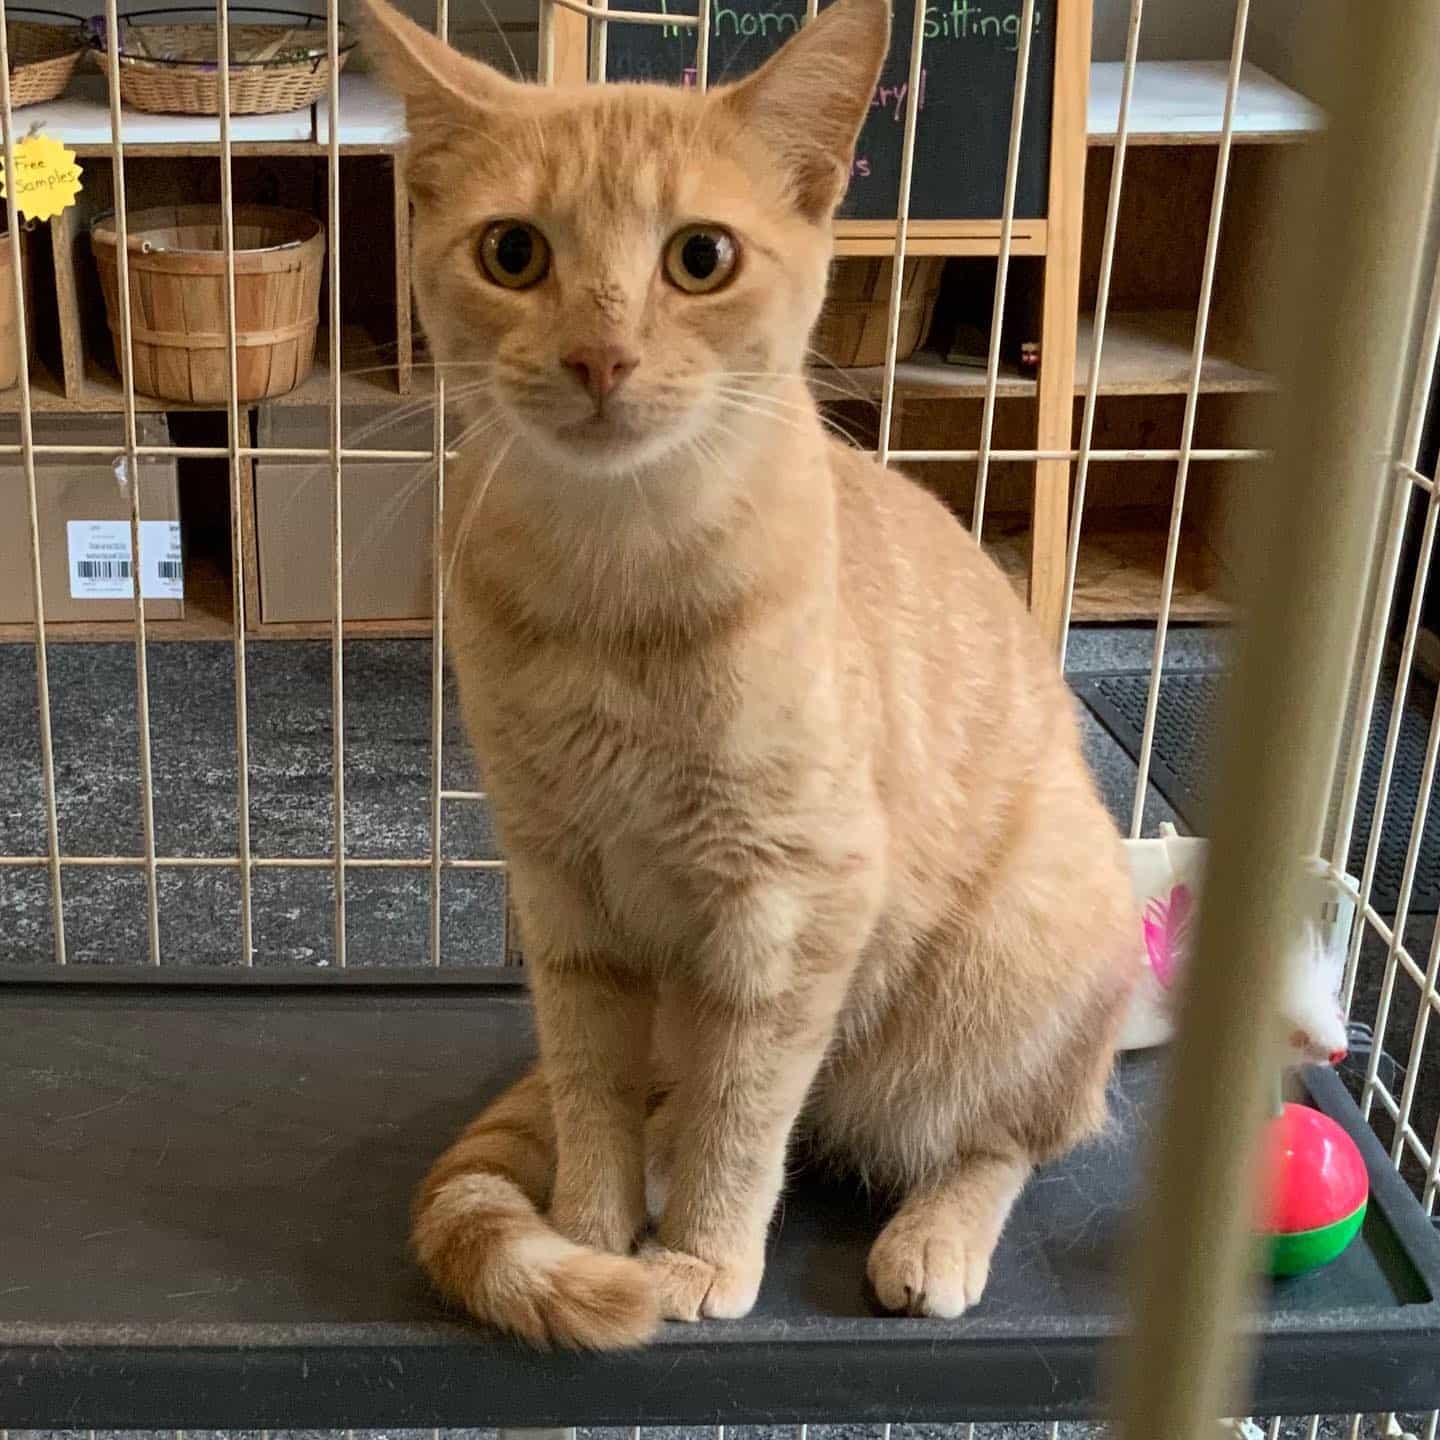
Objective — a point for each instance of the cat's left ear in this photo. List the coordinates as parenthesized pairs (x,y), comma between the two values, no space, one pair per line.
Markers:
(810,99)
(445,93)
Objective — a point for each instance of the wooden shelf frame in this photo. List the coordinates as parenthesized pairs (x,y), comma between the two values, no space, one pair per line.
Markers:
(1146,351)
(83,385)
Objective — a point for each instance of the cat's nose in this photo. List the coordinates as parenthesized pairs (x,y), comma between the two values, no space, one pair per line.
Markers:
(600,368)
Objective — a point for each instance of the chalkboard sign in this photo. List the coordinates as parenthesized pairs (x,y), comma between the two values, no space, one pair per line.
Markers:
(965,95)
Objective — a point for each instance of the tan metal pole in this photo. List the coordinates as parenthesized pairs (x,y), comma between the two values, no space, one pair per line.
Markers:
(1341,303)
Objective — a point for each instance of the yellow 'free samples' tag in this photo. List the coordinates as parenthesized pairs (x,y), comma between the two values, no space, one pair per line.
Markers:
(49,177)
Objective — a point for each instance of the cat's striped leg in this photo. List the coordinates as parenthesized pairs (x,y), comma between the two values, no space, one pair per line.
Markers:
(594,1013)
(733,1112)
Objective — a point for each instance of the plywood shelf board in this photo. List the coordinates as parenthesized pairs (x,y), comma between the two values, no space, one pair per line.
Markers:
(369,114)
(367,378)
(82,118)
(1148,352)
(1145,353)
(1122,558)
(1183,102)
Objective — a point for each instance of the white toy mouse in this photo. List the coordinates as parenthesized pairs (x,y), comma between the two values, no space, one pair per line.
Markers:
(1168,876)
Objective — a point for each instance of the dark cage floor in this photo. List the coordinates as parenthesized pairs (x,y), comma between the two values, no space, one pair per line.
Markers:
(203,1212)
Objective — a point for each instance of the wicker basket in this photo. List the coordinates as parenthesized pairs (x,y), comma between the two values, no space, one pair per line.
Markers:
(43,54)
(852,329)
(177,299)
(275,66)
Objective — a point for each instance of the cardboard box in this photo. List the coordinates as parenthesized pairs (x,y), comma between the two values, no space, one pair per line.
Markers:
(386,521)
(84,513)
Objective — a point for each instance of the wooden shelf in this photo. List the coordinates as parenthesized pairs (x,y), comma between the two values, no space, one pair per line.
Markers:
(208,613)
(81,119)
(1146,353)
(369,114)
(101,392)
(1182,102)
(1122,559)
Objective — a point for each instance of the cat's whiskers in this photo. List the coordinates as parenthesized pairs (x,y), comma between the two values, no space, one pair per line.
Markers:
(425,475)
(850,392)
(387,421)
(756,398)
(472,510)
(354,371)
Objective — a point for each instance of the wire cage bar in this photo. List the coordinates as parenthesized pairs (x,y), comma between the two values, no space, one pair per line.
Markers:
(1412,516)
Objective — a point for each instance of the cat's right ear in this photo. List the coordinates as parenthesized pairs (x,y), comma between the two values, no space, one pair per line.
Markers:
(447,95)
(811,97)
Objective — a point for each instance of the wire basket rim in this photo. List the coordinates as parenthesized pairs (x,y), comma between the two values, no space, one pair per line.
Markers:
(38,14)
(346,41)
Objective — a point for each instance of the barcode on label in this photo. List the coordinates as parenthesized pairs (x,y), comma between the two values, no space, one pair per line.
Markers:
(103,569)
(102,563)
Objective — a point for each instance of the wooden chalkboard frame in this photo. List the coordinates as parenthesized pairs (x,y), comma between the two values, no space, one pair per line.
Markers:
(1055,239)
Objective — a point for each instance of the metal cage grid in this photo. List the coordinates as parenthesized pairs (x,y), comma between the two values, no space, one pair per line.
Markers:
(1401,966)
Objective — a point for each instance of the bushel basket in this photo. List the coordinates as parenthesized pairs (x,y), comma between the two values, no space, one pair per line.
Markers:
(177,299)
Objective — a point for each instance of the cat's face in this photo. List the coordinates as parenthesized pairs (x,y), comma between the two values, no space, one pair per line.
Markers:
(618,272)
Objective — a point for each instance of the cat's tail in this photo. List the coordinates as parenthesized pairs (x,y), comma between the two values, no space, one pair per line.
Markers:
(479,1234)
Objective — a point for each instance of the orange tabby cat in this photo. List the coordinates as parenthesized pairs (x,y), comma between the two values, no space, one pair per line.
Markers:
(799,828)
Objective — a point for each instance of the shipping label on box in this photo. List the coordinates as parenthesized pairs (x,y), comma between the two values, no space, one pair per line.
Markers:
(100,560)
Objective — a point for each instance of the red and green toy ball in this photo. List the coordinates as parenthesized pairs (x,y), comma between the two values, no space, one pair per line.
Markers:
(1317,1190)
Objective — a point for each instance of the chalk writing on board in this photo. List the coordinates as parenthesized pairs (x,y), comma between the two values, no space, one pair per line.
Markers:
(944,20)
(962,99)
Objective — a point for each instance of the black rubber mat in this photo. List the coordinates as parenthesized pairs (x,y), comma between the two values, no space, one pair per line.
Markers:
(203,1215)
(1180,765)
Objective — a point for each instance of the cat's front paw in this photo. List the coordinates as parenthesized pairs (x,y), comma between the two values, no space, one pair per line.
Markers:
(689,1288)
(918,1269)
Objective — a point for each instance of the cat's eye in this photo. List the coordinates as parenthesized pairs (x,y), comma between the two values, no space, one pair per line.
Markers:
(700,258)
(514,254)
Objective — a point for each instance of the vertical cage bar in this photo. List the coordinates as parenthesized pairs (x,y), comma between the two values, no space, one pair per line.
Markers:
(237,548)
(702,46)
(1432,1172)
(1192,405)
(1102,314)
(132,464)
(1396,526)
(544,44)
(1002,264)
(1379,645)
(902,226)
(599,44)
(1417,1039)
(1397,929)
(437,675)
(337,650)
(1346,233)
(27,463)
(437,579)
(1388,556)
(1387,764)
